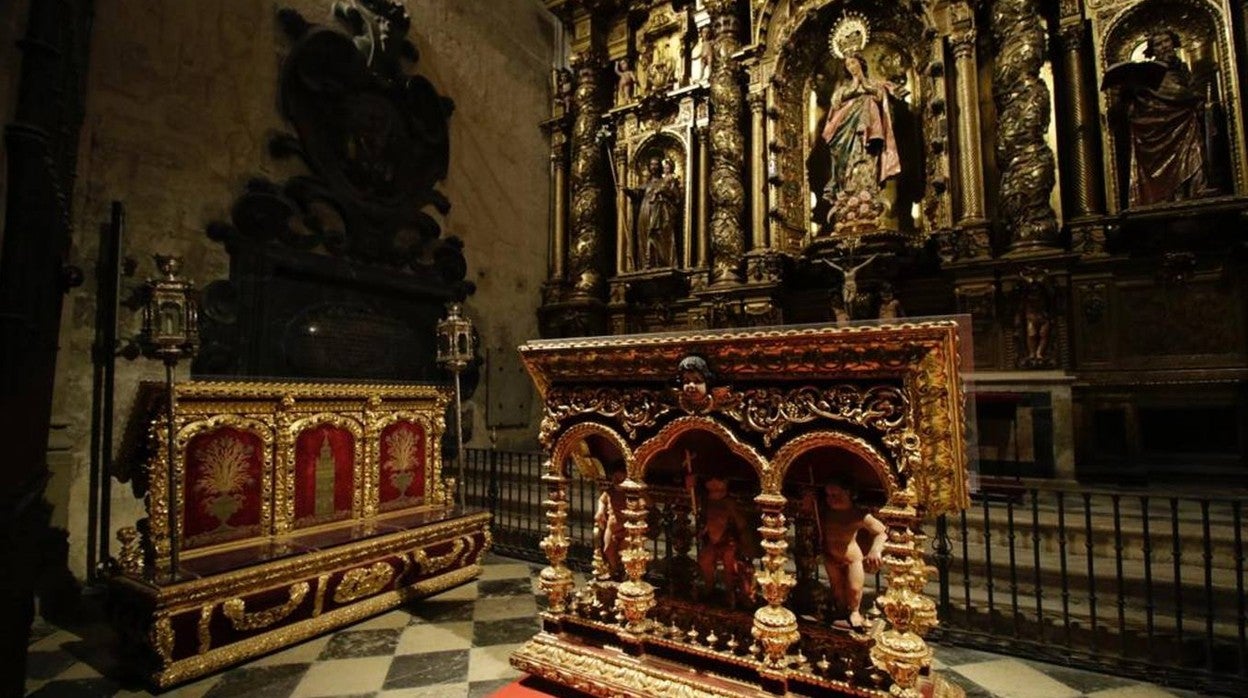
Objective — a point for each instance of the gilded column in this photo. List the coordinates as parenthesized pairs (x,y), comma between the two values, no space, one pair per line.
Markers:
(636,595)
(704,194)
(559,183)
(623,238)
(1028,172)
(727,183)
(556,579)
(970,154)
(589,195)
(758,171)
(1084,125)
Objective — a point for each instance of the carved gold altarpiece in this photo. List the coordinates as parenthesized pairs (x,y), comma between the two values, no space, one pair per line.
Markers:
(781,408)
(999,178)
(303,507)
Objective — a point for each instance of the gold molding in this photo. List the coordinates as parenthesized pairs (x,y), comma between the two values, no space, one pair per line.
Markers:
(236,610)
(363,581)
(192,667)
(437,563)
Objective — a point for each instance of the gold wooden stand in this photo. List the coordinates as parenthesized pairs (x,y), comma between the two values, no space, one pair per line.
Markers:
(308,507)
(778,409)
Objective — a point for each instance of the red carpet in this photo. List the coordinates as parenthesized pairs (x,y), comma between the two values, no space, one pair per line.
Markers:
(533,687)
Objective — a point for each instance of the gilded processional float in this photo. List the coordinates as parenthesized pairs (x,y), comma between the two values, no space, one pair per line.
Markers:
(1070,174)
(750,481)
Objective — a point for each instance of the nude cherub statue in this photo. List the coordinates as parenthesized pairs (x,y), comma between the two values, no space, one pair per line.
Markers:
(839,521)
(627,82)
(849,284)
(725,537)
(609,523)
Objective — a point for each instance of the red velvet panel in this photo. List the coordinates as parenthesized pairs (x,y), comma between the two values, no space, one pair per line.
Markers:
(403,454)
(310,448)
(221,498)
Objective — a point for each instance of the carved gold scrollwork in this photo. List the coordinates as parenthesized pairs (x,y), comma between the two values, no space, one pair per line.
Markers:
(205,628)
(363,581)
(236,610)
(1028,166)
(161,637)
(322,581)
(771,412)
(589,197)
(727,183)
(633,409)
(436,563)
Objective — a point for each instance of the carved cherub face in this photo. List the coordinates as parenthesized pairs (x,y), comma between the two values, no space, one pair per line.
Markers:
(837,497)
(693,384)
(716,488)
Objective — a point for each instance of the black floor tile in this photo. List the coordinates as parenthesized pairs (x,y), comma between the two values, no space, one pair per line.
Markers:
(46,665)
(482,689)
(259,682)
(416,670)
(441,611)
(78,688)
(361,643)
(505,587)
(503,632)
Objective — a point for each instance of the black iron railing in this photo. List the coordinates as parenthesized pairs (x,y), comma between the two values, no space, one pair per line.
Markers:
(1136,583)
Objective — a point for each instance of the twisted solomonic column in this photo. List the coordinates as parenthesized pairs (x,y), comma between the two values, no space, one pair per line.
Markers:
(589,195)
(1027,165)
(727,183)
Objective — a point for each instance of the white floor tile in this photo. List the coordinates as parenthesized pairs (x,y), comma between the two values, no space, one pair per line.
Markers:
(441,690)
(491,663)
(1140,691)
(504,607)
(341,677)
(301,653)
(426,637)
(504,572)
(397,618)
(1010,678)
(463,592)
(80,670)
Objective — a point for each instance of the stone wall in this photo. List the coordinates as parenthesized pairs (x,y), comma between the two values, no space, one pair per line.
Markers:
(181,98)
(12,27)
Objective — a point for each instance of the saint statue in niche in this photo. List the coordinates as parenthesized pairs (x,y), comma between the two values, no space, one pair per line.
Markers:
(858,133)
(658,215)
(1163,112)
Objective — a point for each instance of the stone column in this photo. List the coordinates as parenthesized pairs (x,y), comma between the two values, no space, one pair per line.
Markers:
(1028,172)
(970,153)
(727,185)
(758,171)
(1087,195)
(589,195)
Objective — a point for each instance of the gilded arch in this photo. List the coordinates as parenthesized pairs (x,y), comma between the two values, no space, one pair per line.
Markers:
(564,447)
(667,437)
(869,454)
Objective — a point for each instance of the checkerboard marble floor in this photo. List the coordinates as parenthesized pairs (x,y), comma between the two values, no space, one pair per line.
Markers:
(456,644)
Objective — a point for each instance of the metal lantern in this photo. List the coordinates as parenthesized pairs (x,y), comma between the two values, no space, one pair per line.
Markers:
(455,343)
(170,332)
(455,352)
(171,316)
